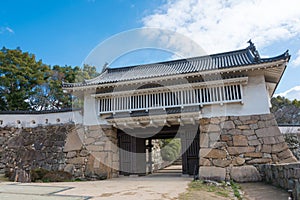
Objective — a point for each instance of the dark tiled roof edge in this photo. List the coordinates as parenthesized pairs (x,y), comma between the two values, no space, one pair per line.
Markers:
(242,57)
(33,112)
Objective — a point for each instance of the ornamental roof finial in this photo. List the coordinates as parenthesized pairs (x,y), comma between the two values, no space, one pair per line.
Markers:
(105,66)
(253,50)
(251,43)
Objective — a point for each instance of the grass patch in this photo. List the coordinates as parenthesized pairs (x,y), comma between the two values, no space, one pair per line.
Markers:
(196,189)
(210,190)
(236,190)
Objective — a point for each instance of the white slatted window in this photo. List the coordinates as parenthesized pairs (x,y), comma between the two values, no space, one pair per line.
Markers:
(190,97)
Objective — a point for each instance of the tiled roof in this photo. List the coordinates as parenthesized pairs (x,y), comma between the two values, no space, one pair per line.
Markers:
(243,57)
(33,112)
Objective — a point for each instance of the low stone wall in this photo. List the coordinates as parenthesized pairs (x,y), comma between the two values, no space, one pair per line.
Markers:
(230,146)
(87,152)
(286,176)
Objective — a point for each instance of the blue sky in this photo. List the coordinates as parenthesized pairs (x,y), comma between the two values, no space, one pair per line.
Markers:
(65,32)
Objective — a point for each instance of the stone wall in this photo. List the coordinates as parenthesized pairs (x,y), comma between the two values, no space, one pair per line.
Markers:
(92,152)
(23,149)
(87,152)
(286,176)
(230,146)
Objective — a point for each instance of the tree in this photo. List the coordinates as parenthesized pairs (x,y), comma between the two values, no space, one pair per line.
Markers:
(170,149)
(27,84)
(286,111)
(50,95)
(20,75)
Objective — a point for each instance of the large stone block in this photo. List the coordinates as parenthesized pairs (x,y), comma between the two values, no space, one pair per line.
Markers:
(221,162)
(71,154)
(212,153)
(244,127)
(226,138)
(214,136)
(234,132)
(95,148)
(240,140)
(204,162)
(227,125)
(254,142)
(245,174)
(266,148)
(76,161)
(279,147)
(244,118)
(267,117)
(212,173)
(210,128)
(248,132)
(269,140)
(254,154)
(259,161)
(73,142)
(69,168)
(267,132)
(204,140)
(240,150)
(289,160)
(285,154)
(238,161)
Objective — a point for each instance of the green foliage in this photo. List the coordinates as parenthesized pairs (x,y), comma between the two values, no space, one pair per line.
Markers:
(27,84)
(236,189)
(57,176)
(38,174)
(20,74)
(279,101)
(286,111)
(170,149)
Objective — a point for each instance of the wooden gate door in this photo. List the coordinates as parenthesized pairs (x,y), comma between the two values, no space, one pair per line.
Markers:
(125,158)
(132,154)
(190,158)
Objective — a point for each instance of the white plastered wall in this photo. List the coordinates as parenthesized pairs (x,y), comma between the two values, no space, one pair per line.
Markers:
(255,101)
(90,111)
(33,120)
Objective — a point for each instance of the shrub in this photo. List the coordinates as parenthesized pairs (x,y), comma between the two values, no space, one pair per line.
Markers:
(170,149)
(57,176)
(38,174)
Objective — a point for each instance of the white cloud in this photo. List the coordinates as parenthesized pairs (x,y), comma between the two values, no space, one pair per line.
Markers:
(6,29)
(218,25)
(296,61)
(9,30)
(293,93)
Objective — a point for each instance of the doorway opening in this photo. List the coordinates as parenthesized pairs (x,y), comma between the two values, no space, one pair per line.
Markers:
(140,150)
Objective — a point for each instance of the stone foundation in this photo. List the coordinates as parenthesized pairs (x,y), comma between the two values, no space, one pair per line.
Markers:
(23,149)
(87,152)
(92,152)
(230,146)
(229,149)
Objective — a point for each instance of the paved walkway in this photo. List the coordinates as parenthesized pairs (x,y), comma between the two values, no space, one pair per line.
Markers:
(258,191)
(167,184)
